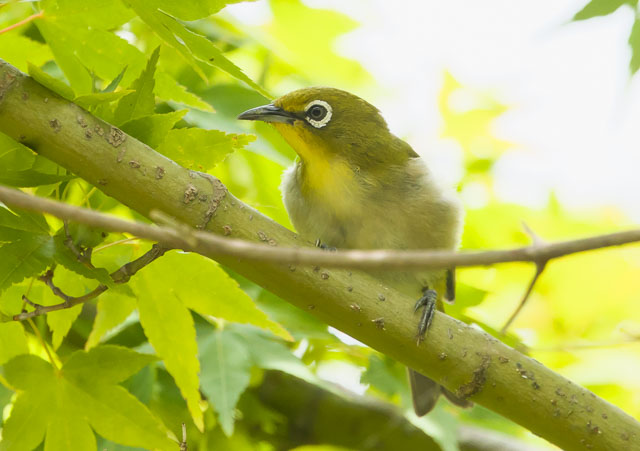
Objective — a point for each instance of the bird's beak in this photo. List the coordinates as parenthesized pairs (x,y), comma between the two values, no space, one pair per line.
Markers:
(268,113)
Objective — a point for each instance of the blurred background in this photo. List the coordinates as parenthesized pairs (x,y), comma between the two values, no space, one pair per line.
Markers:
(530,111)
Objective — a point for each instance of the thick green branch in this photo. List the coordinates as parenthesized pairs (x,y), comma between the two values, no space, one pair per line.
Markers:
(460,357)
(327,415)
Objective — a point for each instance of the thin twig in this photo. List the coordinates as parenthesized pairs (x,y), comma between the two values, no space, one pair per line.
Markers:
(22,22)
(214,245)
(121,275)
(539,268)
(44,344)
(183,443)
(114,243)
(536,242)
(586,346)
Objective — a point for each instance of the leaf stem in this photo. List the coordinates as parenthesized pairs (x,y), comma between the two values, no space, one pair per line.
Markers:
(22,22)
(36,331)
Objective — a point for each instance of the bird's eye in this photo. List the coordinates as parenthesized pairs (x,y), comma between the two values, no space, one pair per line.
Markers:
(318,113)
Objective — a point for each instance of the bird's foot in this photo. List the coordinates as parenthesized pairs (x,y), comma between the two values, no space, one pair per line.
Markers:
(323,246)
(428,303)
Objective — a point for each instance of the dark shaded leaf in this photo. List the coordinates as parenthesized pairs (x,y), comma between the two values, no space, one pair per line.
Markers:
(26,257)
(30,178)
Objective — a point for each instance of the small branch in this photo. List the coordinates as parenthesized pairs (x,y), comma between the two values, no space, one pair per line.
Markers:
(539,268)
(214,245)
(115,243)
(588,346)
(535,238)
(43,343)
(183,443)
(121,275)
(22,22)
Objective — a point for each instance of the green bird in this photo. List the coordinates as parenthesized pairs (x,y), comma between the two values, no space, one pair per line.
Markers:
(357,186)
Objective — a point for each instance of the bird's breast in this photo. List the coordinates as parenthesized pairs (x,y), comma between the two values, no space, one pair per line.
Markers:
(332,186)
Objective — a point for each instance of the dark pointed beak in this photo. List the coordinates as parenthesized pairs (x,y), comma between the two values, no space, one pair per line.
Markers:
(268,113)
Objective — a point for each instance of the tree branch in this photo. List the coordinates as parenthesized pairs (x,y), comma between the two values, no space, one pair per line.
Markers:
(539,269)
(121,275)
(460,357)
(180,235)
(330,415)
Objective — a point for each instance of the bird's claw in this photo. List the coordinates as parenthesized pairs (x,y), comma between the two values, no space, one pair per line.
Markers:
(428,303)
(323,246)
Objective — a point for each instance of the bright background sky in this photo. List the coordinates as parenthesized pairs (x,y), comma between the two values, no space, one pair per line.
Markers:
(574,115)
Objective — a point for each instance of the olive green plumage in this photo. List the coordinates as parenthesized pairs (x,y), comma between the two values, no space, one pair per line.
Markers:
(357,186)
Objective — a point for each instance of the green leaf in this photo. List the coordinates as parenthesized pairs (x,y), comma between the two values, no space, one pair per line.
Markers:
(19,50)
(5,399)
(601,8)
(29,178)
(168,325)
(89,379)
(92,13)
(83,235)
(153,129)
(198,148)
(89,100)
(313,54)
(269,353)
(23,220)
(202,285)
(113,309)
(13,341)
(116,81)
(81,51)
(226,368)
(28,372)
(26,257)
(65,257)
(26,426)
(60,321)
(66,432)
(190,44)
(442,426)
(46,80)
(11,300)
(109,363)
(301,324)
(385,374)
(79,77)
(193,9)
(142,101)
(80,397)
(13,155)
(167,88)
(117,415)
(634,43)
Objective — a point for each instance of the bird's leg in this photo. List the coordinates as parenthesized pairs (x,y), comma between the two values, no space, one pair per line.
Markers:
(323,246)
(428,301)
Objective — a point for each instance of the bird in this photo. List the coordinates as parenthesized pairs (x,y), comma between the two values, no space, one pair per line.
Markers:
(355,185)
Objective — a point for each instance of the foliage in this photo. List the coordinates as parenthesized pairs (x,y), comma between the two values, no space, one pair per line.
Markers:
(186,340)
(597,8)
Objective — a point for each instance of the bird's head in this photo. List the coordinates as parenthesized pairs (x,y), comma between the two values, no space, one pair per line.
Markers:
(327,123)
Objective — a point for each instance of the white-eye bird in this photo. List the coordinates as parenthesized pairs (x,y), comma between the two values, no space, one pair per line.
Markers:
(357,186)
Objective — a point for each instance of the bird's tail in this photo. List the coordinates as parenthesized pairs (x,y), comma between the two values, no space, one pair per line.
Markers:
(425,393)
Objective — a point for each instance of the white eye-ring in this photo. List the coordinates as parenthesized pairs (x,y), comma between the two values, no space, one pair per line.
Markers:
(318,113)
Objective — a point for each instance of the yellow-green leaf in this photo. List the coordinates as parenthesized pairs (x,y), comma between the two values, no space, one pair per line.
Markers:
(168,325)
